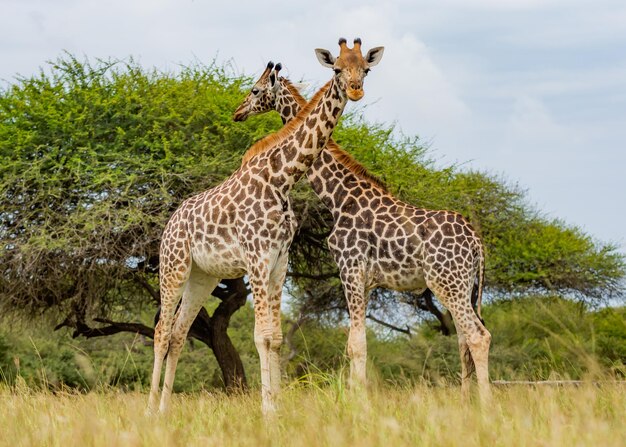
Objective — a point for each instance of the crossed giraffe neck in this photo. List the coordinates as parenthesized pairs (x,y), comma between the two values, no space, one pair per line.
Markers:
(380,241)
(246,225)
(336,177)
(282,161)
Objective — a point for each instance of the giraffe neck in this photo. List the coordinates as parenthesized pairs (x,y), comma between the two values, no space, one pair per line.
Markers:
(294,154)
(332,181)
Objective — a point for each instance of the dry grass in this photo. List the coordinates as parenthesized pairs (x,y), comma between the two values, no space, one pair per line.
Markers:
(321,416)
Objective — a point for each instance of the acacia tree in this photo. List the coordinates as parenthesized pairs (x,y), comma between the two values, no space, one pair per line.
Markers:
(94,158)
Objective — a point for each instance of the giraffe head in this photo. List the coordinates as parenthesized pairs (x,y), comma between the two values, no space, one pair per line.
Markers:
(350,66)
(262,96)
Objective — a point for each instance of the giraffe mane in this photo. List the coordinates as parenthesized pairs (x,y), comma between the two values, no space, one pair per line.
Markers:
(295,92)
(343,157)
(351,163)
(273,140)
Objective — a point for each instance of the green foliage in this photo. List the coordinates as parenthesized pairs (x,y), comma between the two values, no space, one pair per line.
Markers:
(533,339)
(610,336)
(93,160)
(539,338)
(318,345)
(548,254)
(123,360)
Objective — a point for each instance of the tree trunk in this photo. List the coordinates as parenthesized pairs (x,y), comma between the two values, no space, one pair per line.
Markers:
(227,356)
(425,302)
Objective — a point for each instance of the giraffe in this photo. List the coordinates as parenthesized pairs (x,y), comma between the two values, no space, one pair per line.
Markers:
(246,225)
(380,241)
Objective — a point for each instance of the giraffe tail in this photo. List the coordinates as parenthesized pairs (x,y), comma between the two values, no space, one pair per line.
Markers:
(479,282)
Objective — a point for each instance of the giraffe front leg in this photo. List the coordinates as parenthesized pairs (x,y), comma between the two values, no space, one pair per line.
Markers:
(259,283)
(356,296)
(277,279)
(357,352)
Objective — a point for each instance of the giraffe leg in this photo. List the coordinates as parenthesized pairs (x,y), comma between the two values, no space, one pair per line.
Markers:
(197,289)
(172,282)
(467,365)
(263,334)
(277,279)
(356,295)
(478,340)
(479,343)
(474,338)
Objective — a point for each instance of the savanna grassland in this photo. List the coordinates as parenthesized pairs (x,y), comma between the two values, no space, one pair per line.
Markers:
(587,415)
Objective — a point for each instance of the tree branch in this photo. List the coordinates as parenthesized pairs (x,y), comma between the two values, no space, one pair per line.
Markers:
(113,327)
(321,277)
(390,326)
(155,294)
(425,302)
(231,289)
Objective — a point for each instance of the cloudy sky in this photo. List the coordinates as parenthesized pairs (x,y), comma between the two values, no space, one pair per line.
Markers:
(534,90)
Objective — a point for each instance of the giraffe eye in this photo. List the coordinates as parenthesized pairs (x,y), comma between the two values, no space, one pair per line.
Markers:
(337,70)
(255,91)
(367,70)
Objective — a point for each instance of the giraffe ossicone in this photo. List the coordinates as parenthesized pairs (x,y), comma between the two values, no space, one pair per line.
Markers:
(380,241)
(245,225)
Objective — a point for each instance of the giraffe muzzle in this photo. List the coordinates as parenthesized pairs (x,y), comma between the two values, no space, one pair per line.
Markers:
(354,94)
(240,115)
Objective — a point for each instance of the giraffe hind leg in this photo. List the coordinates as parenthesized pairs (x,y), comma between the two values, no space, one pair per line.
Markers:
(479,343)
(467,366)
(197,290)
(171,287)
(474,338)
(477,339)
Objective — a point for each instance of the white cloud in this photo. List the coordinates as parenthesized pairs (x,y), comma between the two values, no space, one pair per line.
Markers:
(533,126)
(531,88)
(416,91)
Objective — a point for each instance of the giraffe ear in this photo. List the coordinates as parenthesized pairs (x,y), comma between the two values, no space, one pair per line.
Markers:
(374,56)
(325,57)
